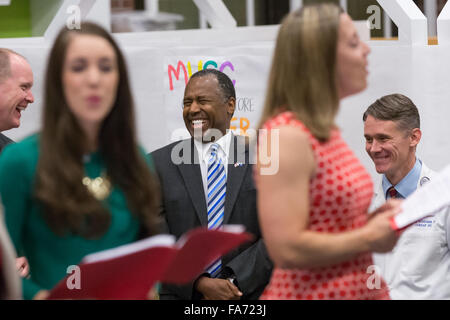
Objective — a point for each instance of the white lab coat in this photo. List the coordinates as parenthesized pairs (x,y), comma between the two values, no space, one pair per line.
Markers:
(419,265)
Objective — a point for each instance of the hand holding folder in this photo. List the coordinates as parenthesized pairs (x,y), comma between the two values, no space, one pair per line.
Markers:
(130,271)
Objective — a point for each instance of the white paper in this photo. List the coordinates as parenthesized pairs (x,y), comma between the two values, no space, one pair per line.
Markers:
(426,200)
(161,240)
(231,228)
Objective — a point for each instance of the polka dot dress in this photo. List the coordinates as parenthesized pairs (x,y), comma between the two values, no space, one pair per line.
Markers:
(340,194)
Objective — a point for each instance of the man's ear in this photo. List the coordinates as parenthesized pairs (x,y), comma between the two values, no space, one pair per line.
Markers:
(231,106)
(416,135)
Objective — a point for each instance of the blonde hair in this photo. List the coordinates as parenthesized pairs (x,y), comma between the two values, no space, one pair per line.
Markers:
(303,73)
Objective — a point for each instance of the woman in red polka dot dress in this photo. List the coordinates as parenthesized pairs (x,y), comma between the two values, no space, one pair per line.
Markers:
(314,194)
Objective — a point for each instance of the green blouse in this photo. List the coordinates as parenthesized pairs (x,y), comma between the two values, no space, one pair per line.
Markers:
(50,255)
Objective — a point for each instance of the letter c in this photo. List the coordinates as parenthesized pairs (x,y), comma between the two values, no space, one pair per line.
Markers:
(210,62)
(230,65)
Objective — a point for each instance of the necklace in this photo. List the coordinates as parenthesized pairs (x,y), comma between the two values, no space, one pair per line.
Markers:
(99,187)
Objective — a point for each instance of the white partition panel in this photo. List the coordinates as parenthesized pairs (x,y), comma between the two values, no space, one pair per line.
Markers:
(411,22)
(159,69)
(443,25)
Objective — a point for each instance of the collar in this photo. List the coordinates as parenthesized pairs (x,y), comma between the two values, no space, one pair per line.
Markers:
(407,185)
(204,149)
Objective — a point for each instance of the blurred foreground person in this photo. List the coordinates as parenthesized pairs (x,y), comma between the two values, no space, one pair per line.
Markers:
(82,184)
(313,209)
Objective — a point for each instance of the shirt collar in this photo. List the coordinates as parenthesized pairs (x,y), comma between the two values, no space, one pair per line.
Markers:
(407,185)
(204,149)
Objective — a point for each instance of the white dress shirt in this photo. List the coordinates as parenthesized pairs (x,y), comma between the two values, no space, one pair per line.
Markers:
(204,152)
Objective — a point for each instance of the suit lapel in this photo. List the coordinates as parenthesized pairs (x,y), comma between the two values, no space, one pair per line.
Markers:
(192,177)
(237,167)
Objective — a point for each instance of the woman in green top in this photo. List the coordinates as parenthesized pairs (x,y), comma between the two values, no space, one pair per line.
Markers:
(81,185)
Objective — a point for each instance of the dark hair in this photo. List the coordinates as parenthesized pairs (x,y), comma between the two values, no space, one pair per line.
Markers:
(225,83)
(397,108)
(67,204)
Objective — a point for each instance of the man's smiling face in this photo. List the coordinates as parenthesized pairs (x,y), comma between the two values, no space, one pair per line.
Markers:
(15,93)
(388,146)
(205,107)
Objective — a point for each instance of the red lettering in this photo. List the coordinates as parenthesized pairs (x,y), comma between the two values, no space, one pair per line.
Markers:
(177,73)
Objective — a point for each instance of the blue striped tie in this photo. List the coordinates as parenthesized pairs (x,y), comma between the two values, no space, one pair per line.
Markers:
(217,181)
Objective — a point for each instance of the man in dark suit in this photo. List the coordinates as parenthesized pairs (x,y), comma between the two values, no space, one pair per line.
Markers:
(16,80)
(207,181)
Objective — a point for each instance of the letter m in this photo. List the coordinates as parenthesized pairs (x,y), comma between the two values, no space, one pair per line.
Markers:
(176,73)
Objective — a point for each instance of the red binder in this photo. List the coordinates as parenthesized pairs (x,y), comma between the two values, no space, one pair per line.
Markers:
(130,271)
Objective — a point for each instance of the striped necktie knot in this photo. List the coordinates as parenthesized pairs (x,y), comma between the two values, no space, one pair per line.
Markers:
(214,148)
(213,154)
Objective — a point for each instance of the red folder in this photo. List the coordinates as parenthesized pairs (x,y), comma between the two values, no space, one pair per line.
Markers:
(130,271)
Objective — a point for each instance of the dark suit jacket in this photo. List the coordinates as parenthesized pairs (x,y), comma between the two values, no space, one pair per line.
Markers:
(184,208)
(4,140)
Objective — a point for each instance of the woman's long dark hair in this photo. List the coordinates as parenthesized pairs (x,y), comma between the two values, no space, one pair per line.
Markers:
(66,203)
